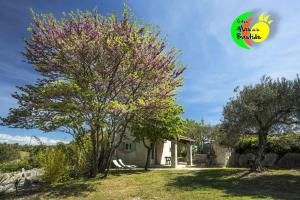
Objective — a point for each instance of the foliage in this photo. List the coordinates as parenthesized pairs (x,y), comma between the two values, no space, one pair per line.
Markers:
(56,164)
(79,153)
(17,156)
(96,73)
(279,144)
(164,123)
(15,165)
(261,109)
(65,161)
(152,126)
(201,132)
(8,153)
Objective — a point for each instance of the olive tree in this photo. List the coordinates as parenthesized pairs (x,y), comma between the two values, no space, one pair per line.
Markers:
(261,109)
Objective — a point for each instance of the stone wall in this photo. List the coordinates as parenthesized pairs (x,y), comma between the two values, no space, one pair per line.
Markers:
(222,155)
(225,157)
(288,161)
(200,160)
(220,158)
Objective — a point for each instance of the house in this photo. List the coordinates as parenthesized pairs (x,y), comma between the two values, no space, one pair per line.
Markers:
(164,153)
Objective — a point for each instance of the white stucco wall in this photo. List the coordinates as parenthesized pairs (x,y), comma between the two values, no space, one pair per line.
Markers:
(163,150)
(134,157)
(139,154)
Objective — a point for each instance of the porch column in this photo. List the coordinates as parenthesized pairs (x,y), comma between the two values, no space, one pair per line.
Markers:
(189,154)
(174,153)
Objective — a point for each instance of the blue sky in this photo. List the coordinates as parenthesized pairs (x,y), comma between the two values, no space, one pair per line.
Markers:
(199,28)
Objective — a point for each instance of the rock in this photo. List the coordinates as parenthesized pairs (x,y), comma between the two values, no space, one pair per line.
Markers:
(27,183)
(270,160)
(289,161)
(28,174)
(245,158)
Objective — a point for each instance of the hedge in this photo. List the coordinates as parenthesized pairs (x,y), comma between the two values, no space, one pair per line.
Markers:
(279,144)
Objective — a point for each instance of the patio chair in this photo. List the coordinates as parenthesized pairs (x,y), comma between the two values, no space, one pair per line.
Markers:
(125,166)
(117,165)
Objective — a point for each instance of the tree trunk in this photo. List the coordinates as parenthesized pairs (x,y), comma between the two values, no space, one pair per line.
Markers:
(112,149)
(148,158)
(94,164)
(107,168)
(104,158)
(262,139)
(102,163)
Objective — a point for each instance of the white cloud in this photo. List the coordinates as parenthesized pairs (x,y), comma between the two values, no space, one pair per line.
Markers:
(27,139)
(217,109)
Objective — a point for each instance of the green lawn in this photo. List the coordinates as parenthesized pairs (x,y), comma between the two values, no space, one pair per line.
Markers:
(24,154)
(180,184)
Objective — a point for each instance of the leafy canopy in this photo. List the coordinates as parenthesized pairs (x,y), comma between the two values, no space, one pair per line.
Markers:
(159,124)
(96,71)
(269,107)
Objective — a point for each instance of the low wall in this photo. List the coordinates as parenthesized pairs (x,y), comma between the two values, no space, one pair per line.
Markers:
(287,161)
(200,159)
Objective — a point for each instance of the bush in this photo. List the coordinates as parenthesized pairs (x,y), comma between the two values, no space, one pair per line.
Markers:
(16,165)
(80,153)
(80,162)
(56,164)
(8,153)
(34,161)
(64,161)
(282,144)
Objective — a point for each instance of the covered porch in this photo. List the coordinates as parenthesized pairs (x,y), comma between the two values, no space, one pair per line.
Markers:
(188,142)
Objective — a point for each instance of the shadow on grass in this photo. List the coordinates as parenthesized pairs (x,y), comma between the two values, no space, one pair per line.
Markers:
(126,172)
(73,188)
(65,190)
(242,183)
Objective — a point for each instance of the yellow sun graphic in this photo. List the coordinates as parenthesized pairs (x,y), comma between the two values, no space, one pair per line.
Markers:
(261,28)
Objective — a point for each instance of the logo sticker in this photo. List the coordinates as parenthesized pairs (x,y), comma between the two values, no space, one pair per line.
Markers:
(244,34)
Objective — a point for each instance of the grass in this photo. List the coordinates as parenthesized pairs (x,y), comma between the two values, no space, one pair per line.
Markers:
(207,184)
(24,154)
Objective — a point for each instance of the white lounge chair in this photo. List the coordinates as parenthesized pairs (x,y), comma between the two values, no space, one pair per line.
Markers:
(125,166)
(117,165)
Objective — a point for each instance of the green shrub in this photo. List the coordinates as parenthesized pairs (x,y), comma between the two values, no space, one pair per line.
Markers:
(64,161)
(55,164)
(15,165)
(34,161)
(80,153)
(282,144)
(8,153)
(80,162)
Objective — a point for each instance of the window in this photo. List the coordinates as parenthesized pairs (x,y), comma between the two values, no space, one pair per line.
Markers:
(128,146)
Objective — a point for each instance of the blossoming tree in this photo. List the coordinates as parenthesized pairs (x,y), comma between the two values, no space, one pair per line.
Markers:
(96,73)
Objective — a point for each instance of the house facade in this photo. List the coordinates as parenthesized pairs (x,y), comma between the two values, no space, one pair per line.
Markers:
(164,153)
